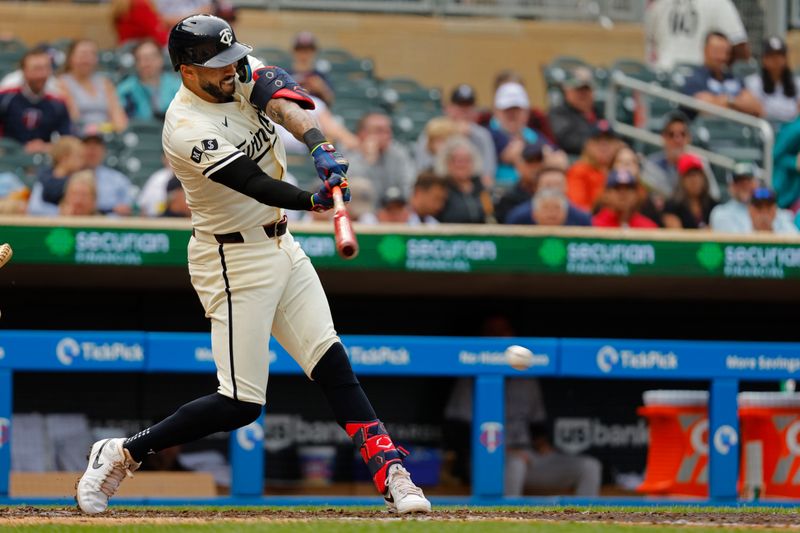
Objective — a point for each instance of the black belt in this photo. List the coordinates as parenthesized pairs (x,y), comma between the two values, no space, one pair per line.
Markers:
(272,230)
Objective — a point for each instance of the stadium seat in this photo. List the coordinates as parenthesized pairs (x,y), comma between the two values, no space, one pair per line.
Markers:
(9,146)
(271,55)
(728,138)
(334,55)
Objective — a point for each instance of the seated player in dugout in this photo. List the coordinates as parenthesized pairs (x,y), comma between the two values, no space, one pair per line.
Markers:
(252,277)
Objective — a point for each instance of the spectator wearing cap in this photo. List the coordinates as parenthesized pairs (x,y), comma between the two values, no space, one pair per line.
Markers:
(138,19)
(394,208)
(427,200)
(690,207)
(734,215)
(68,156)
(586,179)
(114,191)
(148,93)
(379,157)
(549,179)
(467,201)
(572,121)
(304,67)
(622,204)
(651,205)
(510,131)
(176,200)
(29,113)
(763,210)
(90,96)
(661,170)
(713,82)
(462,113)
(531,162)
(776,87)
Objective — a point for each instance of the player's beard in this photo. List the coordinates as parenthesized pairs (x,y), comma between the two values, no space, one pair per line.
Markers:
(217,93)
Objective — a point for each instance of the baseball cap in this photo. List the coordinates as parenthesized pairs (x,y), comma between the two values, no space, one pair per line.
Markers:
(620,177)
(763,195)
(602,128)
(579,77)
(463,95)
(393,195)
(774,45)
(533,152)
(673,117)
(745,169)
(305,39)
(511,95)
(92,132)
(173,184)
(687,162)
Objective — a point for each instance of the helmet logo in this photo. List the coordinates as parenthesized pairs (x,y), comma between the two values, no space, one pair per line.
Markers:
(226,36)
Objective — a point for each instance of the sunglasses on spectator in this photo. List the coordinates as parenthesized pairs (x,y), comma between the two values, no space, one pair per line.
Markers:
(624,187)
(676,134)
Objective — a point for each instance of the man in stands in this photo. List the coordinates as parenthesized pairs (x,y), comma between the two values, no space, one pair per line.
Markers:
(675,29)
(713,82)
(304,67)
(763,210)
(622,204)
(427,200)
(30,114)
(548,179)
(573,121)
(661,170)
(463,112)
(114,191)
(379,157)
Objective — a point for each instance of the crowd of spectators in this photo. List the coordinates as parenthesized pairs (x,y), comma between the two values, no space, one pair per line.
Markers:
(508,163)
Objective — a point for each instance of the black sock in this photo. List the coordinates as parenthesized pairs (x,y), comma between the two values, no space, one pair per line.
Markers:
(346,397)
(193,421)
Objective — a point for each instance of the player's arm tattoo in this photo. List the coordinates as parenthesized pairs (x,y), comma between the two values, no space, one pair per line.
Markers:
(291,116)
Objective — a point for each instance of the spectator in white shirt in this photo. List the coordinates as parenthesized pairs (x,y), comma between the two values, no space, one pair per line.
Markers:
(675,31)
(775,86)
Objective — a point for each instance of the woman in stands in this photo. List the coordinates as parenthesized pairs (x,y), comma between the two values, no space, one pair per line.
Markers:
(69,156)
(90,96)
(691,205)
(651,204)
(776,87)
(467,200)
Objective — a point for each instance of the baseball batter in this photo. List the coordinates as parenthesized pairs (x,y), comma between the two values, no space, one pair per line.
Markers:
(252,277)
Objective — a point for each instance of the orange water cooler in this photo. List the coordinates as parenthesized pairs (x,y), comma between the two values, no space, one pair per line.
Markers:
(770,429)
(677,457)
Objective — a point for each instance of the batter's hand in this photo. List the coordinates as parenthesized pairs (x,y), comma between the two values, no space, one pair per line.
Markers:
(322,200)
(328,161)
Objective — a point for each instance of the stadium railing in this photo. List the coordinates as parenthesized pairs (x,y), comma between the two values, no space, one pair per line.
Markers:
(480,358)
(620,81)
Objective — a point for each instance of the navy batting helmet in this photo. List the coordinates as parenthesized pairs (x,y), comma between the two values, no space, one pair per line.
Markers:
(205,40)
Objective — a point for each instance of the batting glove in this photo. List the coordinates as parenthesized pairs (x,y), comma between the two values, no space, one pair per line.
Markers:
(328,161)
(322,200)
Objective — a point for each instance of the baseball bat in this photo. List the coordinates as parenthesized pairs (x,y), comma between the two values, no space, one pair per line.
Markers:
(346,243)
(5,254)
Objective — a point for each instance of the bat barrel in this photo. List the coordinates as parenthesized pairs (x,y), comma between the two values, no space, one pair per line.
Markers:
(346,243)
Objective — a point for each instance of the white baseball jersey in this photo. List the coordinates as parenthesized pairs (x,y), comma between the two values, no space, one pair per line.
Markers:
(676,29)
(200,138)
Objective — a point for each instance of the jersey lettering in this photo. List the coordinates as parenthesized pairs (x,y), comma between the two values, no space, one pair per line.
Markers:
(260,144)
(196,154)
(683,19)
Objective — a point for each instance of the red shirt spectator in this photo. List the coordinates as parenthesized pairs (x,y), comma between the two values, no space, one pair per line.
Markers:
(622,198)
(138,19)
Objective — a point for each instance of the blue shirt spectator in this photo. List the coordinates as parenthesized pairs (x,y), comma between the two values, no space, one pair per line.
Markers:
(148,93)
(523,214)
(30,114)
(113,189)
(714,84)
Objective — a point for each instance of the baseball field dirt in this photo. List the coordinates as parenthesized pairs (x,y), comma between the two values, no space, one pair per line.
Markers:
(356,519)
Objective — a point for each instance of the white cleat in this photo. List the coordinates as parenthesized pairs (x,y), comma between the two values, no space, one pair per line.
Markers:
(109,464)
(402,495)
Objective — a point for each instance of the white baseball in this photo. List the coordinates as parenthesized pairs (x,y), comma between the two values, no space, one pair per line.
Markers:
(519,357)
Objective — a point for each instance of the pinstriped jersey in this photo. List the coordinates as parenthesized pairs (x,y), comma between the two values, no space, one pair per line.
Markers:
(201,138)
